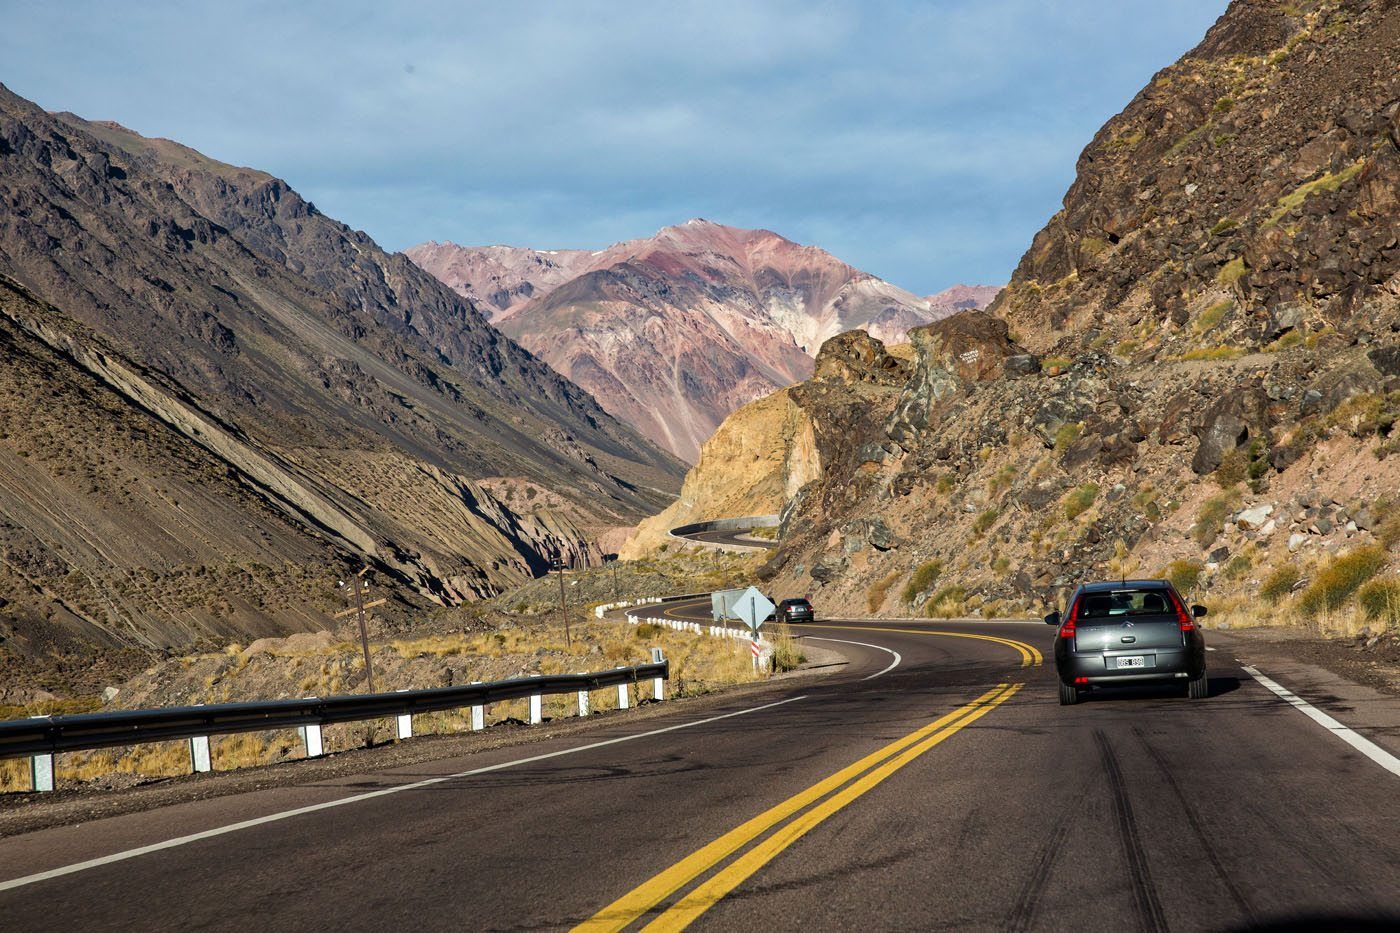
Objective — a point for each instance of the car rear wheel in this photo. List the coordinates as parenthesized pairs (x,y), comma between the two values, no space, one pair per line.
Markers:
(1068,695)
(1199,688)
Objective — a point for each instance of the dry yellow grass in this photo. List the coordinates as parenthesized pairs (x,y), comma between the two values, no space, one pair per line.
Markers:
(699,664)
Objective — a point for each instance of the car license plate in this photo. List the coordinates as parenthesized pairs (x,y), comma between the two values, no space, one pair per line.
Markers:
(1137,660)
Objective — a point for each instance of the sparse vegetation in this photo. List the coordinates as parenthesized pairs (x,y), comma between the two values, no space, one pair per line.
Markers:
(1379,599)
(1067,434)
(1280,583)
(875,596)
(1336,583)
(1328,181)
(1213,315)
(946,603)
(1232,271)
(921,580)
(1224,225)
(1213,354)
(1183,574)
(1212,515)
(1077,501)
(984,520)
(787,655)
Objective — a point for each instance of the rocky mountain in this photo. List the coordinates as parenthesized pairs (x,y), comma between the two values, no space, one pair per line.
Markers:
(250,397)
(1194,371)
(674,331)
(963,298)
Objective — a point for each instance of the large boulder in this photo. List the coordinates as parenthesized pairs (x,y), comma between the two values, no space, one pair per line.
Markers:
(855,357)
(1227,424)
(951,355)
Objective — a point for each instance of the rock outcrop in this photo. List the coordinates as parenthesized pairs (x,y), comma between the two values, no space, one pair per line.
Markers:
(1196,353)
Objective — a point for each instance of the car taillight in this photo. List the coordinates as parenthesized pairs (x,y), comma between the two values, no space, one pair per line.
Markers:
(1183,618)
(1067,627)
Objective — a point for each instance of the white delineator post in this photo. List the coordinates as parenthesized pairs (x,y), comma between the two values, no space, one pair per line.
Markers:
(621,696)
(583,702)
(41,771)
(311,737)
(478,715)
(405,721)
(657,684)
(536,710)
(200,761)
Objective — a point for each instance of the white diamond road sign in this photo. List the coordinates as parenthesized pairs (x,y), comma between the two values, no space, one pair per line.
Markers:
(753,607)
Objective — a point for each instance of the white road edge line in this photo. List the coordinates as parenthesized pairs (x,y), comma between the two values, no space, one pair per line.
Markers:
(893,664)
(340,802)
(1357,741)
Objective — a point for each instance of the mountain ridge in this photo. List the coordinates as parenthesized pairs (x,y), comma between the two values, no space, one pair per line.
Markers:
(373,407)
(673,331)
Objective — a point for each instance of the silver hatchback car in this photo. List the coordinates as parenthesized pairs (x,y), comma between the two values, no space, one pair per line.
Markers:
(1128,632)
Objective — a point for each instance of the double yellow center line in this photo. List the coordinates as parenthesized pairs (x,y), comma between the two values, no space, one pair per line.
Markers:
(842,787)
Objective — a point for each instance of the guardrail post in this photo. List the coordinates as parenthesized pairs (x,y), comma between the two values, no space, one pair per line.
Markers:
(200,760)
(536,712)
(582,701)
(311,738)
(657,688)
(405,721)
(41,772)
(478,715)
(622,696)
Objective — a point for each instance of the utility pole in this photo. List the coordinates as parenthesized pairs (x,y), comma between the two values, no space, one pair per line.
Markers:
(612,559)
(359,585)
(558,566)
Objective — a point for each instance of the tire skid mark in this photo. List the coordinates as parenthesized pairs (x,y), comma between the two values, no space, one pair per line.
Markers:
(1023,912)
(1145,900)
(1194,819)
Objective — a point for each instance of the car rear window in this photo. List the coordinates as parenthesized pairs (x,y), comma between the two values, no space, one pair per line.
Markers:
(799,603)
(1129,601)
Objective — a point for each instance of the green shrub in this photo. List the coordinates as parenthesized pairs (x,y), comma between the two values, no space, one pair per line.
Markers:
(1183,574)
(946,603)
(1067,434)
(1213,315)
(945,483)
(1279,584)
(1077,501)
(922,578)
(984,521)
(1225,223)
(1237,567)
(1380,599)
(647,630)
(1212,516)
(787,655)
(1231,272)
(1339,580)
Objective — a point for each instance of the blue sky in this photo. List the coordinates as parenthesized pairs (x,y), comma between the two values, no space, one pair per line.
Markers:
(923,142)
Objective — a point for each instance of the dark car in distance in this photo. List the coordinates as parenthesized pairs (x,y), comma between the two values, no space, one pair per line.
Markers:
(1128,632)
(795,610)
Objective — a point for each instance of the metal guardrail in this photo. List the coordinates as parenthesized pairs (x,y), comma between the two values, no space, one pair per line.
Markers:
(43,736)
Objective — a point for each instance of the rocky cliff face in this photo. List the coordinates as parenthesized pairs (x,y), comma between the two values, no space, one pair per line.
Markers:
(364,405)
(673,332)
(1195,369)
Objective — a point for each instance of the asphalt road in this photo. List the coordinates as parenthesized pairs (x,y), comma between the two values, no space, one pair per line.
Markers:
(933,783)
(730,538)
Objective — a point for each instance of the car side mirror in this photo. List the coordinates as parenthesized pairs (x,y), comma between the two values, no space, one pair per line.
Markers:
(1053,618)
(1198,611)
